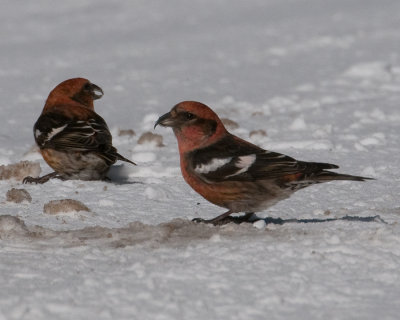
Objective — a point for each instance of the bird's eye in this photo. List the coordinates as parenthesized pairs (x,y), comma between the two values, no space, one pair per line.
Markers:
(189,116)
(87,87)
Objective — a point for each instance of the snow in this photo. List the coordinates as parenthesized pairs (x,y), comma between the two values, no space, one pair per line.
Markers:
(298,124)
(320,78)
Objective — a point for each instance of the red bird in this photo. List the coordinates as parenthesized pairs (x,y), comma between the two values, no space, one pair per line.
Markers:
(73,139)
(233,173)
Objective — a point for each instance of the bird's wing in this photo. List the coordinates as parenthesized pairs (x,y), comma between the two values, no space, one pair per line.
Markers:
(56,131)
(233,159)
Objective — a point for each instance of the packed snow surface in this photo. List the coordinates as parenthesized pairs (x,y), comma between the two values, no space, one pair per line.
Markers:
(317,80)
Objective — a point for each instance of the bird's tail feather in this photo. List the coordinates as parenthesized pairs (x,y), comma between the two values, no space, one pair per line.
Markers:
(122,158)
(328,176)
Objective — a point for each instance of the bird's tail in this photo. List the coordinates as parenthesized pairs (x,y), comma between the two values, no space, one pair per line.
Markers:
(325,175)
(319,172)
(122,158)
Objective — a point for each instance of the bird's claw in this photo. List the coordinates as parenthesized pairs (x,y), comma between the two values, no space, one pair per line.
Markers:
(41,180)
(38,180)
(29,179)
(214,222)
(248,218)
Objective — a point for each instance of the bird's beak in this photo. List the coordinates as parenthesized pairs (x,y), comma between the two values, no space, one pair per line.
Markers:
(166,120)
(97,92)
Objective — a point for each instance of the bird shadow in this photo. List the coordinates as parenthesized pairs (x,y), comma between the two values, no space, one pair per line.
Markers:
(280,221)
(119,174)
(123,181)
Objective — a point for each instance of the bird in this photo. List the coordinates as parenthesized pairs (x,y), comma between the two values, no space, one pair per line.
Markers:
(72,138)
(233,173)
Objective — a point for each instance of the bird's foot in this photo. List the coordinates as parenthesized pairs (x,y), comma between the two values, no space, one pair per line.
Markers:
(41,180)
(219,222)
(37,180)
(248,217)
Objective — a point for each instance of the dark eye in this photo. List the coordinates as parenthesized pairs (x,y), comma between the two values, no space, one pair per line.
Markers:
(189,116)
(87,87)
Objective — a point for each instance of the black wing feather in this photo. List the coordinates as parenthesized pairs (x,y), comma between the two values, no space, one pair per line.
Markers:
(266,165)
(92,135)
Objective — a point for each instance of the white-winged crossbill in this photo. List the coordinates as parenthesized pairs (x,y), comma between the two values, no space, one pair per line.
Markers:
(72,138)
(233,173)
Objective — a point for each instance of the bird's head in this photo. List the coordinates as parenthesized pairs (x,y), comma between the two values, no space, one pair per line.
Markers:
(77,89)
(195,125)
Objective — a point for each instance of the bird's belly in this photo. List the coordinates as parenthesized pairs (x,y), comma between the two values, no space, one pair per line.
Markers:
(76,165)
(240,196)
(255,197)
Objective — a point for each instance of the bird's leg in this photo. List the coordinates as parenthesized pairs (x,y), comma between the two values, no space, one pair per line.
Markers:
(41,180)
(216,220)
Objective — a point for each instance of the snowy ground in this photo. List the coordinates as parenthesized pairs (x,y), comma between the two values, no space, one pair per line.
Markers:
(322,78)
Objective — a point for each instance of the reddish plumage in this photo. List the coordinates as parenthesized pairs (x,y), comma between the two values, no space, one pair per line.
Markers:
(73,139)
(233,173)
